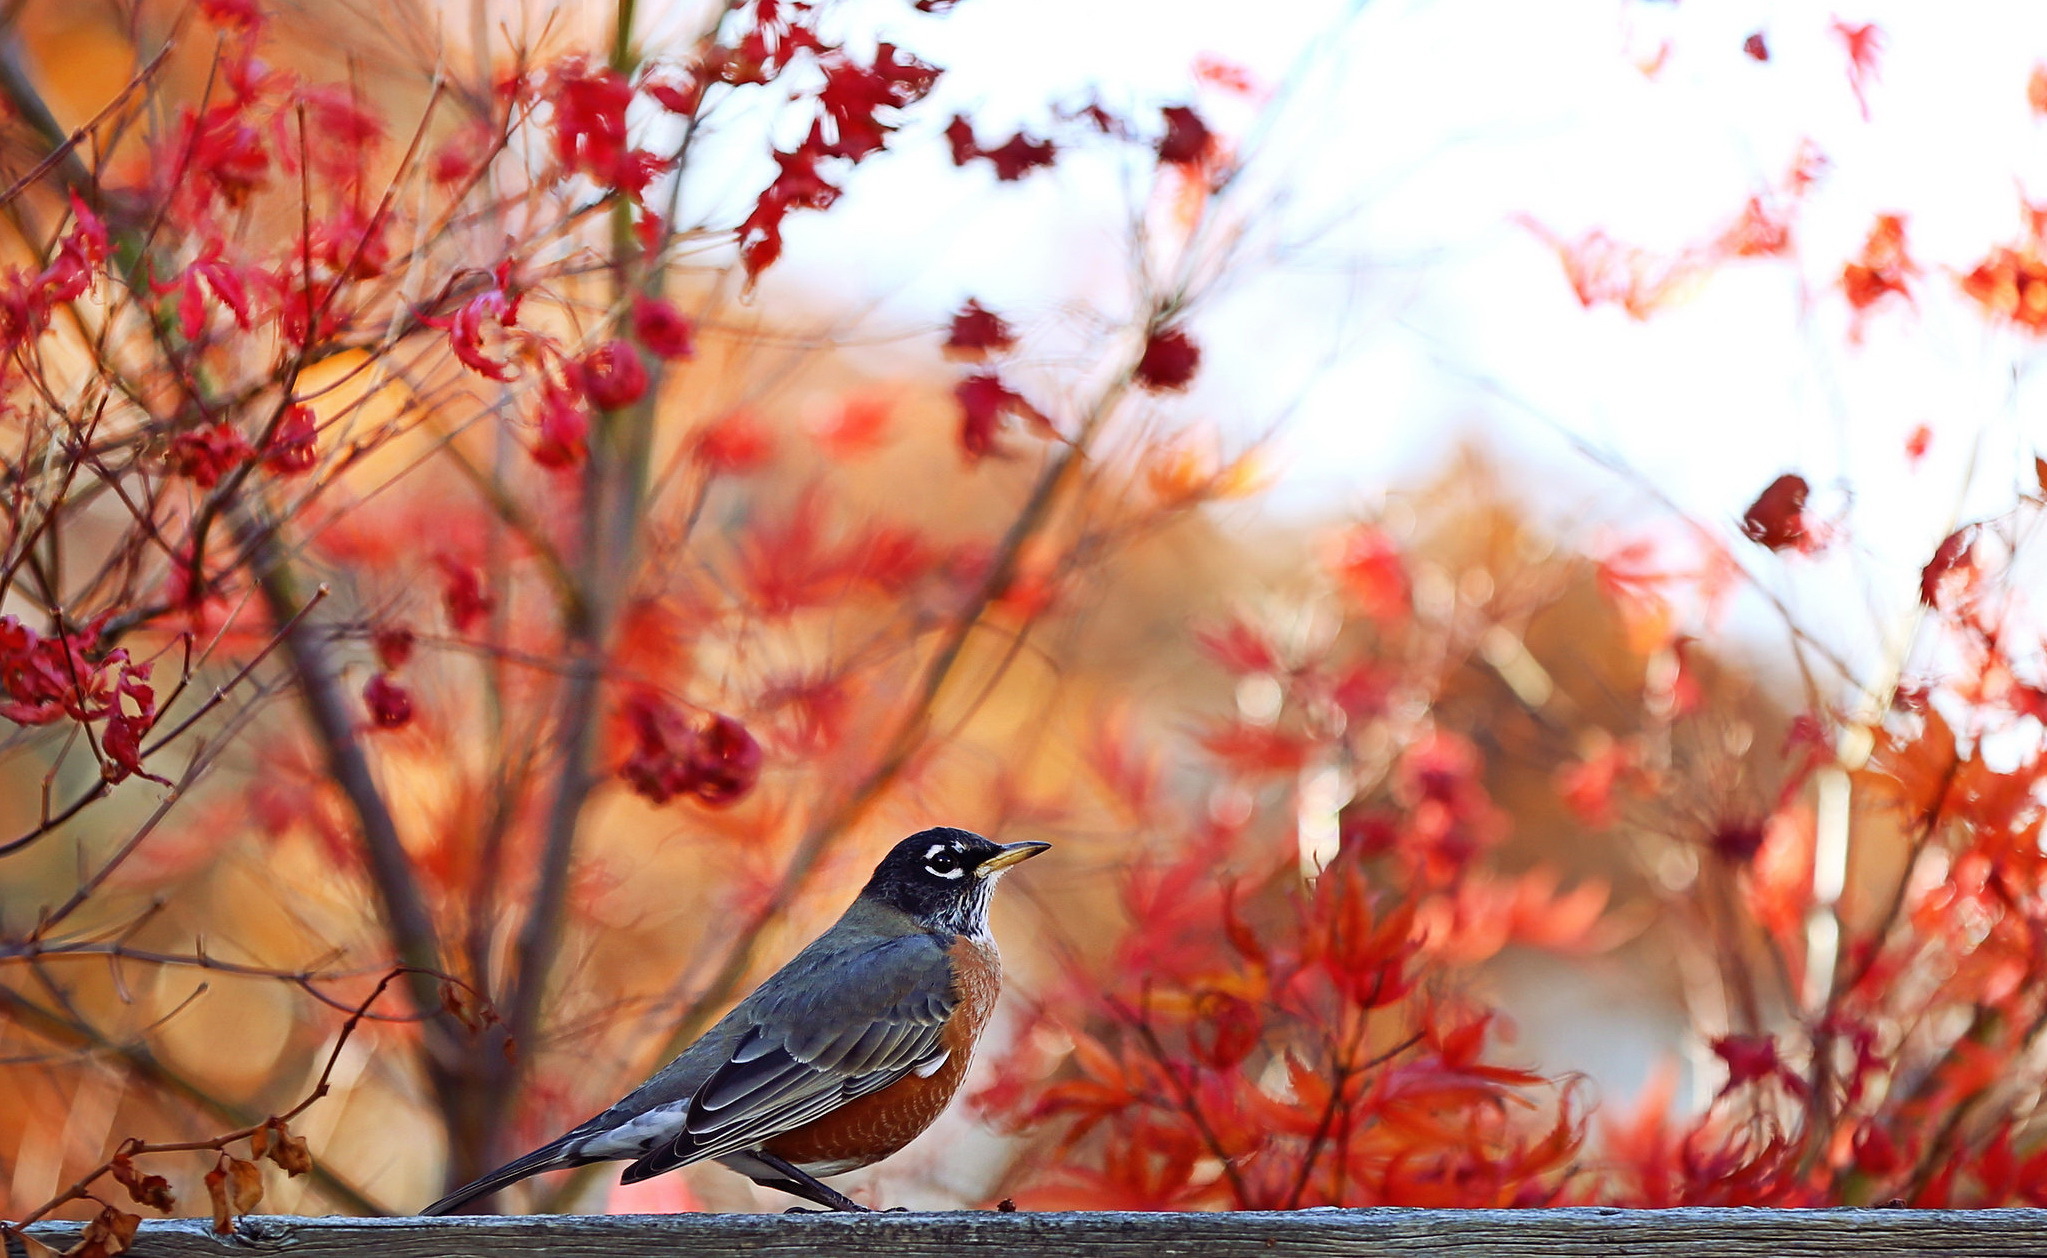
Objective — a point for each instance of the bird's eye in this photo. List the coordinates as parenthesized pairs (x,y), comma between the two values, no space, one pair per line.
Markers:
(943,862)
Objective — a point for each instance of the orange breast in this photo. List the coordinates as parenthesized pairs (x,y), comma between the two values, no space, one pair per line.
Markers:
(869,1129)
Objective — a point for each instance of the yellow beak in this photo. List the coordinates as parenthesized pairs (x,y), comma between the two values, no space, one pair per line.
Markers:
(1011,854)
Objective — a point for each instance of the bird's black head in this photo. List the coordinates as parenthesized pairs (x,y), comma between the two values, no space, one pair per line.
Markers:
(943,877)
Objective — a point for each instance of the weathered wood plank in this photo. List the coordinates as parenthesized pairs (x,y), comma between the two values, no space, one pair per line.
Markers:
(1377,1233)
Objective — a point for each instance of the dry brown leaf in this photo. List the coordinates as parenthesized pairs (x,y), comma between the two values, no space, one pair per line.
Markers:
(275,1141)
(244,1185)
(216,1188)
(110,1232)
(33,1248)
(153,1191)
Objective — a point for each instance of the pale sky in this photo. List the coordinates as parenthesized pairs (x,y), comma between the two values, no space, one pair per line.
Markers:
(1397,304)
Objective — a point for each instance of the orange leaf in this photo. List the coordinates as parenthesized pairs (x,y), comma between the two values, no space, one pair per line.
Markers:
(244,1185)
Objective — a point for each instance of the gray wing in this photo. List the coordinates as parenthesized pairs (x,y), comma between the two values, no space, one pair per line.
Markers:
(847,1025)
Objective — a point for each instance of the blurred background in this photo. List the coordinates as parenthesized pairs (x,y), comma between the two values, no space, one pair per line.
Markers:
(1504,316)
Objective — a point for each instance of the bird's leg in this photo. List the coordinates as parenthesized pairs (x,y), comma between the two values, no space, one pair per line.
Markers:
(800,1183)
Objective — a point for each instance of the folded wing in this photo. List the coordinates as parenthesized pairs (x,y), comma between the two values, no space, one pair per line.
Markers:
(855,1025)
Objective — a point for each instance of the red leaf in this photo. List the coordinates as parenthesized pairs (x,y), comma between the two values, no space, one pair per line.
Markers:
(1952,556)
(1917,444)
(860,427)
(1753,1059)
(613,376)
(1776,519)
(390,706)
(293,449)
(1755,47)
(393,644)
(718,763)
(976,333)
(564,425)
(1369,566)
(663,329)
(734,445)
(984,401)
(1252,749)
(1019,156)
(462,593)
(1187,141)
(1883,267)
(1238,648)
(1228,1030)
(726,762)
(1863,44)
(959,134)
(1169,361)
(205,455)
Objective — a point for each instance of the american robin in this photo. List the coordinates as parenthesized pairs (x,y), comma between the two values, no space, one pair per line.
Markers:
(840,1058)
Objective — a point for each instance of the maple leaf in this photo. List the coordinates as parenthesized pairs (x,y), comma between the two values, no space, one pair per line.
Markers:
(1587,785)
(389,705)
(1256,750)
(1884,266)
(726,762)
(858,427)
(462,593)
(959,136)
(1762,231)
(1169,361)
(1187,141)
(1238,647)
(204,455)
(235,15)
(735,445)
(1603,271)
(393,645)
(215,154)
(2011,284)
(984,400)
(1755,47)
(1776,519)
(977,332)
(497,305)
(1019,155)
(293,447)
(1949,567)
(1917,443)
(590,126)
(1863,44)
(663,329)
(718,763)
(612,375)
(563,423)
(1368,565)
(1753,1059)
(679,98)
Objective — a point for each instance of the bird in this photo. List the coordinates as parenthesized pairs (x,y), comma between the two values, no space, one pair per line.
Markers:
(839,1058)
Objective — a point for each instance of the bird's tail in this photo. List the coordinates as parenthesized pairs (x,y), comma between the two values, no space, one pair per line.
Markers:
(546,1158)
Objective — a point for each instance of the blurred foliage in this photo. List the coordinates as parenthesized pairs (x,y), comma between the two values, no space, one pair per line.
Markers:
(453,644)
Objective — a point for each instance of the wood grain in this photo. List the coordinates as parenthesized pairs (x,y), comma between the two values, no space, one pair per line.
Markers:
(1392,1233)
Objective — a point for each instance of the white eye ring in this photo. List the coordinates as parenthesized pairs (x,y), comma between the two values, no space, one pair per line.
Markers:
(936,872)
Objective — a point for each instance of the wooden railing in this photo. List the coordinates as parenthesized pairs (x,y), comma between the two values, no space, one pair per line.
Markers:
(1391,1233)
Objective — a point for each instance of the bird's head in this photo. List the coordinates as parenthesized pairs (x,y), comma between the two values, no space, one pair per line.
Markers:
(943,877)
